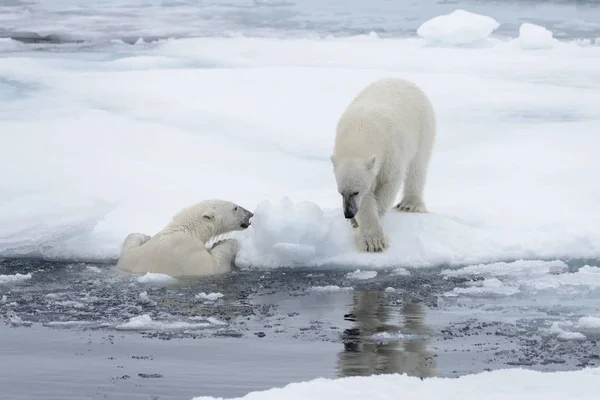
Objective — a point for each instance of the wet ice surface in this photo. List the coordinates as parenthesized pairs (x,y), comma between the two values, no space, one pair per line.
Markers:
(85,331)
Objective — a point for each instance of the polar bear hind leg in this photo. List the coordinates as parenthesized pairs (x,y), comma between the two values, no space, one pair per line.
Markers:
(416,175)
(135,240)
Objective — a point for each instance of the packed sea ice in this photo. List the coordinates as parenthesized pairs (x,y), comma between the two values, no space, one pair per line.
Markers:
(141,134)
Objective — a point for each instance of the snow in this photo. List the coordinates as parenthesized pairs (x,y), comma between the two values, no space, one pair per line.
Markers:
(533,37)
(128,133)
(507,384)
(14,278)
(460,27)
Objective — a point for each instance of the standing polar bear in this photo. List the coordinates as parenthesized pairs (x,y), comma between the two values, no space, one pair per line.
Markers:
(384,138)
(179,249)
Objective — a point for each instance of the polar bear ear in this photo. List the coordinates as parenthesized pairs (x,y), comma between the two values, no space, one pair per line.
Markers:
(371,161)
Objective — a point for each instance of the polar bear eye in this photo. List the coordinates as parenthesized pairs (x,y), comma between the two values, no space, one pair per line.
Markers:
(235,209)
(354,194)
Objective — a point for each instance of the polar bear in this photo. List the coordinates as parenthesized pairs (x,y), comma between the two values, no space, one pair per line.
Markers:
(383,139)
(179,249)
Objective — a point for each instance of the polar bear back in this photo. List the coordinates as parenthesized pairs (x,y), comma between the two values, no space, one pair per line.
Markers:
(389,115)
(175,254)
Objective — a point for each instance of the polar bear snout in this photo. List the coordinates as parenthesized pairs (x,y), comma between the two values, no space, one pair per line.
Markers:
(350,205)
(247,216)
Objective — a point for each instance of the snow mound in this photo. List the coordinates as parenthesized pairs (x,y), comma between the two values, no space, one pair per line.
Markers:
(288,234)
(535,37)
(458,28)
(506,384)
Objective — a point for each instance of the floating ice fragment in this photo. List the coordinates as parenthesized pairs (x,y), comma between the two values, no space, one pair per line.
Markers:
(457,28)
(209,296)
(361,275)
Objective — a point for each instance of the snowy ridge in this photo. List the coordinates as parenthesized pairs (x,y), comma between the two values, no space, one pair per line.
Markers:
(508,384)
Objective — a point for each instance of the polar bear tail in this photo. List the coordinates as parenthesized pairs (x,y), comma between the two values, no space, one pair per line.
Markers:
(135,240)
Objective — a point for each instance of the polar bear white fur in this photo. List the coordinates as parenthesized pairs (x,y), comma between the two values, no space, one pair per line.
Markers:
(179,249)
(384,139)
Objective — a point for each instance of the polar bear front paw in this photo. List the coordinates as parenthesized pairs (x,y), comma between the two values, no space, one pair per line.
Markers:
(229,245)
(411,204)
(374,243)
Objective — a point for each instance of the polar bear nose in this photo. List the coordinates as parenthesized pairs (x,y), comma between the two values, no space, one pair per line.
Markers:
(350,206)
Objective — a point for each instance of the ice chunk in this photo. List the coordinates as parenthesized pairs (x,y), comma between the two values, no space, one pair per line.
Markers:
(330,289)
(515,268)
(458,28)
(14,278)
(558,328)
(145,299)
(401,272)
(145,322)
(491,287)
(361,275)
(209,296)
(590,324)
(151,277)
(532,37)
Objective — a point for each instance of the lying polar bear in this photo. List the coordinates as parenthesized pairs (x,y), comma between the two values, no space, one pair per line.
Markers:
(179,249)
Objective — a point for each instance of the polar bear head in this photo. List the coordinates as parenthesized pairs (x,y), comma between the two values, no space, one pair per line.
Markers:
(355,177)
(210,218)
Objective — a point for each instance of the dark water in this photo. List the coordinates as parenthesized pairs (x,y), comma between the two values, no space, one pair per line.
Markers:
(62,335)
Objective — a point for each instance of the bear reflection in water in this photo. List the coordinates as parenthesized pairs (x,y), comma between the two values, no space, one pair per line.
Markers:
(375,345)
